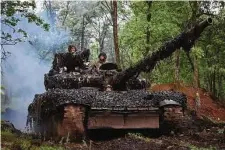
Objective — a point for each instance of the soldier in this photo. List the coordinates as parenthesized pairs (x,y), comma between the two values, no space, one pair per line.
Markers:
(72,49)
(101,60)
(70,61)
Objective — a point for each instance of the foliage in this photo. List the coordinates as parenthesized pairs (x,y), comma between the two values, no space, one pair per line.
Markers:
(91,20)
(8,136)
(192,147)
(168,19)
(166,22)
(2,90)
(139,136)
(24,142)
(11,14)
(212,63)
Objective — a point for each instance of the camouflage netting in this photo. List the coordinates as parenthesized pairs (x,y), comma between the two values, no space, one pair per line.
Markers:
(50,100)
(72,80)
(75,80)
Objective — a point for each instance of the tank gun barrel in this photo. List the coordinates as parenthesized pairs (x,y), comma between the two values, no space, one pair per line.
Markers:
(185,40)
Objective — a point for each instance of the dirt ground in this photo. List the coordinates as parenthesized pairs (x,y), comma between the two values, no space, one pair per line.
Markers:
(197,134)
(209,107)
(208,139)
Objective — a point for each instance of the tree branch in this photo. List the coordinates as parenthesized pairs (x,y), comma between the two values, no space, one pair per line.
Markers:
(67,12)
(106,5)
(4,53)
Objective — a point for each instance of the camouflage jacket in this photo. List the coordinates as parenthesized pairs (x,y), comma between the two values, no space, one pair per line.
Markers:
(96,65)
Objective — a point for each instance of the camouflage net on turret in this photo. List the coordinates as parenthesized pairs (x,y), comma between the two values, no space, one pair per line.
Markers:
(75,80)
(72,80)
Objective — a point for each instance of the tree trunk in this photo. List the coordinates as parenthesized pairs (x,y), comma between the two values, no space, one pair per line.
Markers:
(177,66)
(50,13)
(220,85)
(67,12)
(82,35)
(211,82)
(122,60)
(214,81)
(195,7)
(102,35)
(196,73)
(115,30)
(148,28)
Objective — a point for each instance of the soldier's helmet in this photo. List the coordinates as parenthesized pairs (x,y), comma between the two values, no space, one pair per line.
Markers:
(102,54)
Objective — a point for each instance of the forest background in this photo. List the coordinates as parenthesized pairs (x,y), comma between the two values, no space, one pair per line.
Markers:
(32,32)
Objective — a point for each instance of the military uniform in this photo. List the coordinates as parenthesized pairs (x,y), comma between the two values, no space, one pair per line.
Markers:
(97,65)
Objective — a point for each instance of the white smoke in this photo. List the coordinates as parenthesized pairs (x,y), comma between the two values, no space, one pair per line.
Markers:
(23,76)
(24,72)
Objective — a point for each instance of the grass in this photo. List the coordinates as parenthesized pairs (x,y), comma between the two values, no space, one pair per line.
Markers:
(8,136)
(221,131)
(193,147)
(12,141)
(139,136)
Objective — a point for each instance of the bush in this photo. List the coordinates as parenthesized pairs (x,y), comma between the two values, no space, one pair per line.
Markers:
(24,142)
(8,136)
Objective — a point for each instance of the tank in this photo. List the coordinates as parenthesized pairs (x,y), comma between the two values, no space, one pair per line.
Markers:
(79,98)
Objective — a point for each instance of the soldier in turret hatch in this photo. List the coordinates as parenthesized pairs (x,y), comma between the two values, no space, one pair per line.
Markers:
(101,60)
(70,60)
(64,62)
(75,60)
(72,49)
